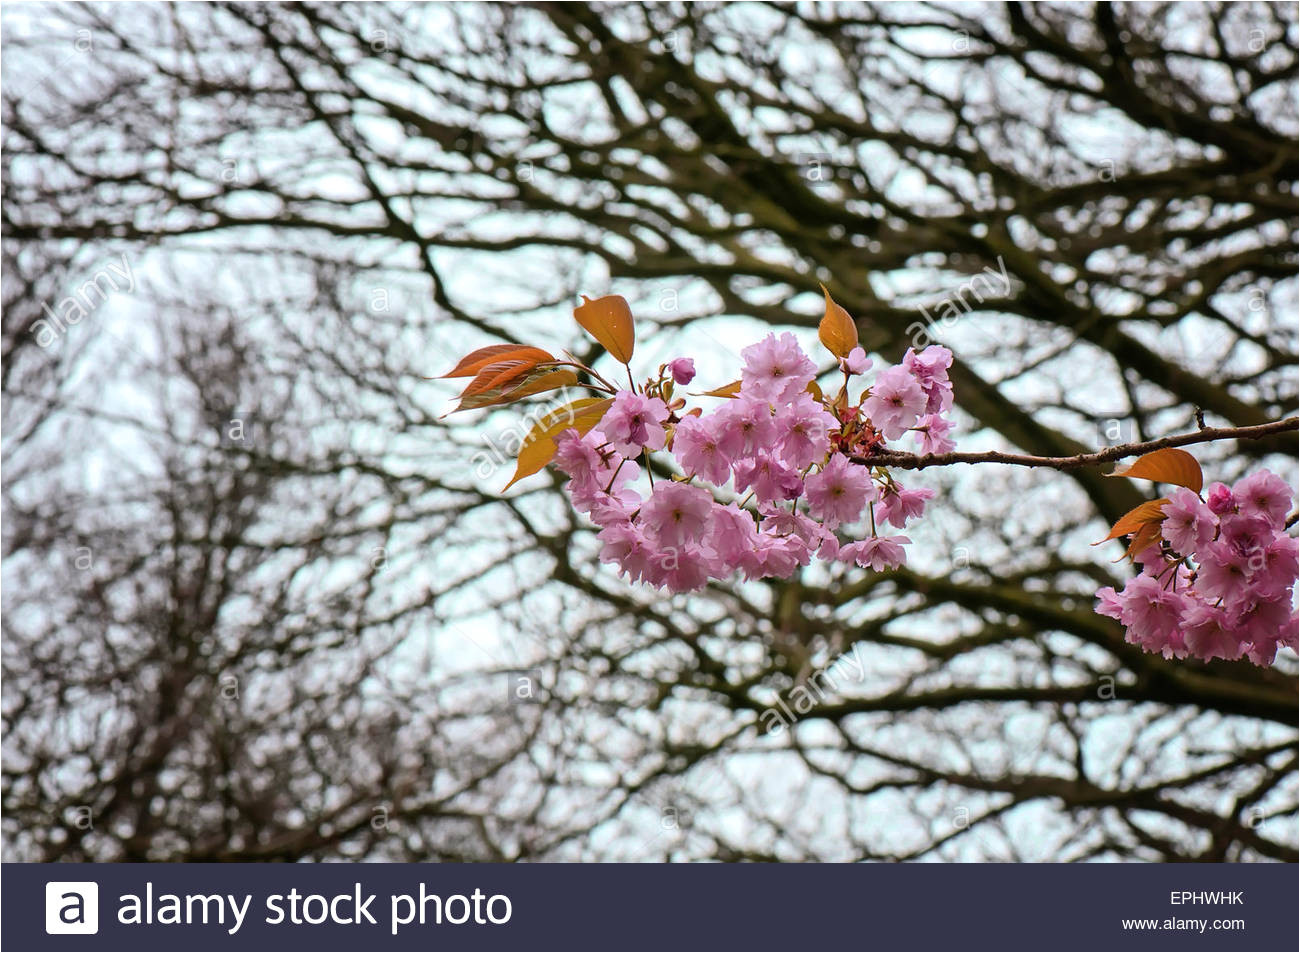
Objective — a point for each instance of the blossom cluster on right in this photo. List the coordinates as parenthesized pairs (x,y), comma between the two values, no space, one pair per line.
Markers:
(1218,574)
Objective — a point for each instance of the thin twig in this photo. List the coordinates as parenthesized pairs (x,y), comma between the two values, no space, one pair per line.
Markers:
(915,461)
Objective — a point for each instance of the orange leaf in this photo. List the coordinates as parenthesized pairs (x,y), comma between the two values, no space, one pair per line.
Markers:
(540,380)
(1170,465)
(496,376)
(475,361)
(837,331)
(1147,535)
(609,321)
(539,448)
(1151,512)
(727,390)
(534,382)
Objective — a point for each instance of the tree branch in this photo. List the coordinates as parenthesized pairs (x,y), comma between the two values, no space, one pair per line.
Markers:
(916,461)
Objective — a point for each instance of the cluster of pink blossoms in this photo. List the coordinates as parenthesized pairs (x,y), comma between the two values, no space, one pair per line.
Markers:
(1219,582)
(777,450)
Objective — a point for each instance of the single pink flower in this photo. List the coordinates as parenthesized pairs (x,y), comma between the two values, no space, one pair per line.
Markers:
(783,522)
(676,513)
(856,362)
(933,431)
(626,546)
(679,569)
(1109,603)
(1222,572)
(1274,571)
(1188,524)
(1152,613)
(895,402)
(683,370)
(776,369)
(1245,536)
(876,552)
(747,427)
(634,422)
(838,492)
(1264,494)
(1220,500)
(699,447)
(779,556)
(802,432)
(900,506)
(577,455)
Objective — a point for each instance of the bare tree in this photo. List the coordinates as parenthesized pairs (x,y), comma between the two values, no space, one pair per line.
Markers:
(322,633)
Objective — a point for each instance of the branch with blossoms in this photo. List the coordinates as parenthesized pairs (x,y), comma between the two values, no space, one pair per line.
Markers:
(782,471)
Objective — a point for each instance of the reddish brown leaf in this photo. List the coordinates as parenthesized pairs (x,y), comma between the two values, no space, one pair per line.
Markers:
(609,321)
(475,361)
(1170,465)
(1147,535)
(494,376)
(536,381)
(1151,512)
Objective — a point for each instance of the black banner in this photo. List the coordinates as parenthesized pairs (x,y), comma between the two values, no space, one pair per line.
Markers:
(647,907)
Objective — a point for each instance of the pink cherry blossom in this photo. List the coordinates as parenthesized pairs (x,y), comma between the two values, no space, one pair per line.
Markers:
(733,535)
(876,552)
(802,432)
(1274,573)
(901,505)
(895,403)
(1109,603)
(1237,600)
(748,426)
(933,431)
(768,477)
(776,369)
(677,513)
(856,362)
(1264,494)
(1208,633)
(839,491)
(1220,499)
(683,370)
(1152,614)
(628,546)
(577,455)
(679,569)
(1188,524)
(783,522)
(700,449)
(777,443)
(598,484)
(780,555)
(930,369)
(1222,572)
(635,421)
